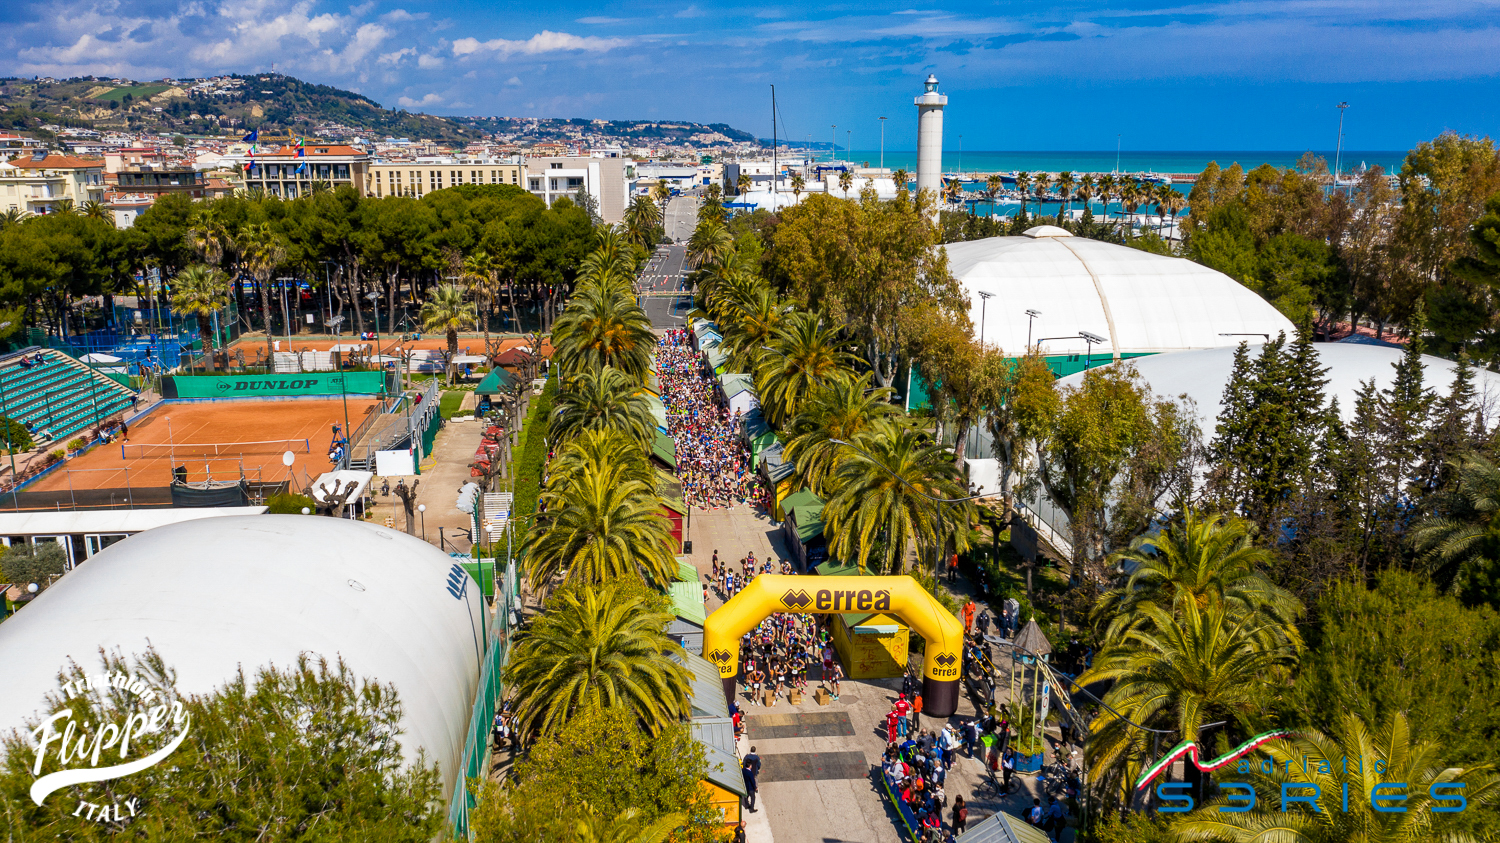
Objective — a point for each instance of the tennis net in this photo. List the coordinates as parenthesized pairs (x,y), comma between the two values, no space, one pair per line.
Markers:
(213,449)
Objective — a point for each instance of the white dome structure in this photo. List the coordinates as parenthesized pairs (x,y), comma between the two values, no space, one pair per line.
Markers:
(1202,375)
(1140,303)
(246,591)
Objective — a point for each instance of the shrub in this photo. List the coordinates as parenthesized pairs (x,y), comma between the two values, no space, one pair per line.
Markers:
(24,563)
(56,456)
(16,434)
(78,444)
(288,504)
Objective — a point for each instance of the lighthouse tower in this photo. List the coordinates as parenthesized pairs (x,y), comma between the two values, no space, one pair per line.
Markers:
(930,137)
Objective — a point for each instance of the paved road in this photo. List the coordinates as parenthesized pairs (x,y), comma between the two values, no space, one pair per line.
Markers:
(665,271)
(681,218)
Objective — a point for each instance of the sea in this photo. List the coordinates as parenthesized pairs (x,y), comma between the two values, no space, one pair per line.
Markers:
(1052,161)
(1133,163)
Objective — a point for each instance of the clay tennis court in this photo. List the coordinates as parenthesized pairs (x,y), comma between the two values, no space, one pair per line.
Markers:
(185,430)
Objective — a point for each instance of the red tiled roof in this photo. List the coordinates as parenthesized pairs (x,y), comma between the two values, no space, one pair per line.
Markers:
(57,162)
(312,151)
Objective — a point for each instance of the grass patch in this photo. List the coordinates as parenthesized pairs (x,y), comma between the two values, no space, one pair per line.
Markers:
(449,404)
(138,92)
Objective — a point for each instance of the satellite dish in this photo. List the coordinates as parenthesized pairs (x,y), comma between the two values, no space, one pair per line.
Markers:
(288,458)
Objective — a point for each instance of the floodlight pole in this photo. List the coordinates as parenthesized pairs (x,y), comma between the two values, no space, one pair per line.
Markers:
(1031,315)
(984,299)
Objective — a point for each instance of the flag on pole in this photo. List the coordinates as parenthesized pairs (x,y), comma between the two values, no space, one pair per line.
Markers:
(252,137)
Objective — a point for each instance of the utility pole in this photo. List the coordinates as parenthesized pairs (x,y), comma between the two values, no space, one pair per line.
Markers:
(882,143)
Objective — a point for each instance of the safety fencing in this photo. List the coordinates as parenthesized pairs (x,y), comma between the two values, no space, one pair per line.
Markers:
(477,746)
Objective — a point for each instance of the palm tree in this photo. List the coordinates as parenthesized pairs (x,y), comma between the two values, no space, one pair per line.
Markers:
(597,647)
(1109,188)
(599,451)
(1460,542)
(261,249)
(884,493)
(804,352)
(1173,202)
(751,324)
(710,242)
(199,291)
(1201,560)
(902,179)
(798,183)
(625,828)
(482,274)
(1177,671)
(96,210)
(208,235)
(603,326)
(642,219)
(663,194)
(601,399)
(65,207)
(1416,764)
(1039,188)
(446,312)
(1087,190)
(843,408)
(1064,189)
(846,182)
(742,184)
(599,527)
(992,187)
(10,217)
(1023,187)
(319,187)
(612,263)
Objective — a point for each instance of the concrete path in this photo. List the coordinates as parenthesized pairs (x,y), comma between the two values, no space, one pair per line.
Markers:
(443,472)
(849,805)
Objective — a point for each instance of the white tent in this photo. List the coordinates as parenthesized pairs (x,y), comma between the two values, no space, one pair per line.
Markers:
(93,357)
(1140,303)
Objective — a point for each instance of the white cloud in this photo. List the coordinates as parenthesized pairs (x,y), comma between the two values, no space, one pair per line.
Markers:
(513,81)
(600,20)
(396,57)
(430,99)
(690,12)
(428,62)
(545,41)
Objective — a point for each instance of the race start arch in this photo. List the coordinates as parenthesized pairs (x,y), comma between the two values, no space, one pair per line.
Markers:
(811,595)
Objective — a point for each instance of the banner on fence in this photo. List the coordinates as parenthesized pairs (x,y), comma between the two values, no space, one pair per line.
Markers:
(266,386)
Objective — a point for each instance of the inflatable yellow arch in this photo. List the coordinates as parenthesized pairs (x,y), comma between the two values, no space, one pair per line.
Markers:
(810,595)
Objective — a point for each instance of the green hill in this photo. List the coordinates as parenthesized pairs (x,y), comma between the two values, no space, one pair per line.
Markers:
(280,104)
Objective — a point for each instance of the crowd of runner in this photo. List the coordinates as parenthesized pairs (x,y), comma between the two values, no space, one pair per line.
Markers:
(712,461)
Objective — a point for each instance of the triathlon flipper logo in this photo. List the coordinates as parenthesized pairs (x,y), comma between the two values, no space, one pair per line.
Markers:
(1190,749)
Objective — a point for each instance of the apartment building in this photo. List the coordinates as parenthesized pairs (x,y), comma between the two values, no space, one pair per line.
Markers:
(148,171)
(424,175)
(36,183)
(285,173)
(605,179)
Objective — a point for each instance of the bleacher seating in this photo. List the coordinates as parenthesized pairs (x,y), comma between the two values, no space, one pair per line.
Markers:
(60,395)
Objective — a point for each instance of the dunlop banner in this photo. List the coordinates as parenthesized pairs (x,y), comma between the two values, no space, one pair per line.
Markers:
(272,386)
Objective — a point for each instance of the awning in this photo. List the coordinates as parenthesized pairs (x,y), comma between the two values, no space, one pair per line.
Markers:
(469,360)
(495,383)
(339,480)
(350,346)
(99,358)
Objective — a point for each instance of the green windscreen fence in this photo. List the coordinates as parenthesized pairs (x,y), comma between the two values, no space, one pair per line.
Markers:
(271,386)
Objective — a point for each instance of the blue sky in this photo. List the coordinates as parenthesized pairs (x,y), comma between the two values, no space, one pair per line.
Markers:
(1248,74)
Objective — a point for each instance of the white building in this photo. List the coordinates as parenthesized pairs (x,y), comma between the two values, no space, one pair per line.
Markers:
(216,595)
(605,179)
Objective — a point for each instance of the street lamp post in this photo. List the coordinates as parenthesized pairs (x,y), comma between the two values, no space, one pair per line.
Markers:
(882,144)
(375,305)
(1247,334)
(422,508)
(833,143)
(1031,315)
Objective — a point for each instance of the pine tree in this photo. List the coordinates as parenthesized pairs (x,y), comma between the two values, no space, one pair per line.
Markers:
(1364,455)
(1225,480)
(1451,433)
(1403,415)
